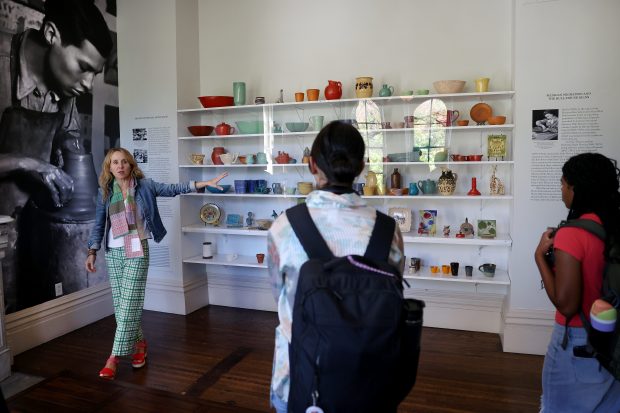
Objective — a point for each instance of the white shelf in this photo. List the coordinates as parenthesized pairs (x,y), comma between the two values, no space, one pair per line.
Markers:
(500,241)
(249,135)
(400,99)
(253,165)
(442,197)
(234,195)
(222,259)
(209,229)
(441,163)
(500,278)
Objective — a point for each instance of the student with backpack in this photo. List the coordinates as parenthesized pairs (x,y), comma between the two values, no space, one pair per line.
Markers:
(574,281)
(307,294)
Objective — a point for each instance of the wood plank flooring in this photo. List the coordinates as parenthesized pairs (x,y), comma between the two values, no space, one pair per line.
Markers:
(218,360)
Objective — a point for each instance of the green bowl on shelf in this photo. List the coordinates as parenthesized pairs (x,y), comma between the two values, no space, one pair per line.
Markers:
(247,127)
(297,126)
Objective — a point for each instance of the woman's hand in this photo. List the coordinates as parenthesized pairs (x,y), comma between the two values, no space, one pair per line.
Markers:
(212,182)
(545,243)
(90,263)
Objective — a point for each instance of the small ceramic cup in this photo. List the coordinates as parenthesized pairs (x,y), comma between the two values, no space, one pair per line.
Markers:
(469,270)
(434,269)
(445,269)
(299,96)
(260,258)
(454,268)
(313,94)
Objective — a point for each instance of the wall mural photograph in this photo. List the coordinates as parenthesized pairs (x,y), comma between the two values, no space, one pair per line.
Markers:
(59,115)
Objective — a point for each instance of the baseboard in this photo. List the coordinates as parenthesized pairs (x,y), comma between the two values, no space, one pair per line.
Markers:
(39,324)
(461,310)
(242,292)
(527,331)
(176,297)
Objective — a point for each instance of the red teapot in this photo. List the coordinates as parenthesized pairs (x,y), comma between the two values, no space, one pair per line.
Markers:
(224,129)
(333,90)
(282,157)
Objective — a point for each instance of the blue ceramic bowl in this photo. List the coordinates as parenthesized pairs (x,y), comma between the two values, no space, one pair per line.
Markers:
(214,190)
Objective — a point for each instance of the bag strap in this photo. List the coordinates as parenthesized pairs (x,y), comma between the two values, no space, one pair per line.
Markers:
(592,227)
(307,232)
(315,246)
(380,243)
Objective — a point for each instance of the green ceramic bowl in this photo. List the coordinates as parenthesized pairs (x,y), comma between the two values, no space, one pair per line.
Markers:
(246,127)
(297,126)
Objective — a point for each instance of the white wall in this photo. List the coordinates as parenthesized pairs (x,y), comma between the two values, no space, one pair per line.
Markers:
(560,47)
(296,45)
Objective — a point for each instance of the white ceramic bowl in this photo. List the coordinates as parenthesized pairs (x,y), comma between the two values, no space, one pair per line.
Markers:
(449,86)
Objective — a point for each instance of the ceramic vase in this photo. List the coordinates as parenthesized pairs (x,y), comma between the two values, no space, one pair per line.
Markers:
(239,93)
(363,87)
(333,90)
(447,182)
(215,155)
(474,190)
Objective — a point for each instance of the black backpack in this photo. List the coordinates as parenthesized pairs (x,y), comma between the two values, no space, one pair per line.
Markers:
(605,347)
(355,341)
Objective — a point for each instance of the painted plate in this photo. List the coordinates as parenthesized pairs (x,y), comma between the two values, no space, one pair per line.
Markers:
(210,214)
(480,112)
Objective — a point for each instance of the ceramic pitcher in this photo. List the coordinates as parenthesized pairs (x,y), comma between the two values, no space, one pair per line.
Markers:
(447,182)
(427,186)
(386,91)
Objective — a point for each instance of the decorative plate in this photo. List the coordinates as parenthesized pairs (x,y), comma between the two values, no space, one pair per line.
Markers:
(210,214)
(480,112)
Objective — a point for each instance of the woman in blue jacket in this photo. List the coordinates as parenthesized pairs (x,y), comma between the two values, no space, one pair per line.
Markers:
(126,217)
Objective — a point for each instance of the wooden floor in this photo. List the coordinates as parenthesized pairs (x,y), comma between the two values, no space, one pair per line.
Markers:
(219,359)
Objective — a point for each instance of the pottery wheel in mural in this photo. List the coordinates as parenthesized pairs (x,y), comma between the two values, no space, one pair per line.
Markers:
(480,112)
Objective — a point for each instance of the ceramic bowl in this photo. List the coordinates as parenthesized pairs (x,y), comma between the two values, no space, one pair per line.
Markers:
(476,158)
(304,188)
(449,86)
(462,122)
(214,190)
(264,223)
(200,130)
(216,101)
(422,92)
(246,127)
(297,126)
(496,120)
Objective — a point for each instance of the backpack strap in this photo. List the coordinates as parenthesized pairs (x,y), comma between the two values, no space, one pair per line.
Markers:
(307,232)
(592,227)
(380,243)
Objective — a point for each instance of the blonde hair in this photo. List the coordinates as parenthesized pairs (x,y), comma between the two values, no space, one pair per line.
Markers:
(106,177)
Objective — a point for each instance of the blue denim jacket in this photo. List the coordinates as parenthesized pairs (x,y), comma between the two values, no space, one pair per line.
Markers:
(146,192)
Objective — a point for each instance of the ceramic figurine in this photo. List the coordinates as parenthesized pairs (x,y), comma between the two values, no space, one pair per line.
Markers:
(467,229)
(446,230)
(306,157)
(281,98)
(250,219)
(496,185)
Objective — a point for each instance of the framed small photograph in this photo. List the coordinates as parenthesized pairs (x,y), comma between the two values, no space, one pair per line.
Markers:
(428,222)
(487,228)
(402,217)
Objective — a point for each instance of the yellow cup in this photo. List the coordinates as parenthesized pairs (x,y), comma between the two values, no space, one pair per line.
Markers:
(313,94)
(304,188)
(445,269)
(380,189)
(482,84)
(369,190)
(434,269)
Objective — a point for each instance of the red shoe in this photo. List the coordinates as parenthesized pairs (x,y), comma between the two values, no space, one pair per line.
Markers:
(108,373)
(139,358)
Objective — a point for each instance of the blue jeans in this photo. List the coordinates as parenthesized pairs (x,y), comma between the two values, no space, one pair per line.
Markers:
(279,405)
(575,384)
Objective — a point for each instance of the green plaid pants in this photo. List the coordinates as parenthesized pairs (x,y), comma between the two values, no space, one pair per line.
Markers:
(128,282)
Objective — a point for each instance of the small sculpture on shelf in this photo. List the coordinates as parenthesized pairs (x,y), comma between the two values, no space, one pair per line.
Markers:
(306,157)
(496,185)
(281,98)
(446,230)
(466,229)
(250,219)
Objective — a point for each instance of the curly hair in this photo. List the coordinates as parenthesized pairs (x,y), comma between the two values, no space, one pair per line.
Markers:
(595,179)
(106,178)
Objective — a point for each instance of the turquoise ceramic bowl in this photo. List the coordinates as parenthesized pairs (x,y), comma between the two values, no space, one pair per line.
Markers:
(214,190)
(297,126)
(247,127)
